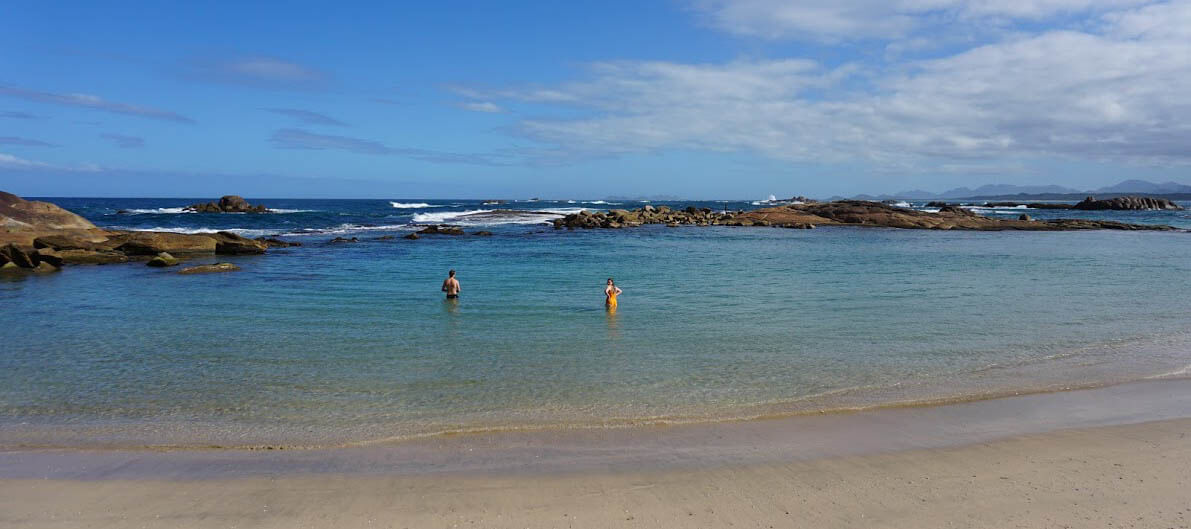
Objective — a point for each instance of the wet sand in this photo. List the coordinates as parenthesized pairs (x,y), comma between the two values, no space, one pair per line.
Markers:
(1071,459)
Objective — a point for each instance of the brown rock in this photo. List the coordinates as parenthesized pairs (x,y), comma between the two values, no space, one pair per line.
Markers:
(92,256)
(209,269)
(153,243)
(228,243)
(412,236)
(442,230)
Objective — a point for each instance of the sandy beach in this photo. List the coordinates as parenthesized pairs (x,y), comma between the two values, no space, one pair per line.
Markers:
(981,474)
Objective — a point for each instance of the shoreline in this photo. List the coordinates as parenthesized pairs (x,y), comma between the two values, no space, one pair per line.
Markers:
(1125,475)
(658,447)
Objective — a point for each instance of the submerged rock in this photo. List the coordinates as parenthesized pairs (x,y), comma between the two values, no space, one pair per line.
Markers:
(442,229)
(412,237)
(209,269)
(341,240)
(482,233)
(273,242)
(163,260)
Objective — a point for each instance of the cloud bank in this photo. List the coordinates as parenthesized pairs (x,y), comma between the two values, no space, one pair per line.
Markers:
(1118,89)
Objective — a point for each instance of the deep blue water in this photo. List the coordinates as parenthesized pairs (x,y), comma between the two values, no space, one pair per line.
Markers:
(340,343)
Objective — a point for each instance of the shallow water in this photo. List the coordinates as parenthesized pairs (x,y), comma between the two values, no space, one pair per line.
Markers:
(331,344)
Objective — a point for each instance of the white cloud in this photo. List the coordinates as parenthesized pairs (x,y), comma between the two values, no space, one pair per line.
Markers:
(482,106)
(1122,92)
(836,20)
(10,162)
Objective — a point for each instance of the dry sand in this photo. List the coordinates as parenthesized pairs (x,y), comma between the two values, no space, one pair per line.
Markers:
(1118,476)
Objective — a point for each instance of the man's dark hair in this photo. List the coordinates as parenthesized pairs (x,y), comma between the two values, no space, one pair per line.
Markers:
(451,273)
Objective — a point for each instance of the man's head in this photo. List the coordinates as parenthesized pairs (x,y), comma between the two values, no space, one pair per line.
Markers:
(451,273)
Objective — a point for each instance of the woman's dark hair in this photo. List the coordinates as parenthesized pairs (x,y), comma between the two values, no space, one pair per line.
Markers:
(610,280)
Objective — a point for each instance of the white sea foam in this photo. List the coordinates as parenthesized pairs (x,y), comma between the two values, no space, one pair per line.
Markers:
(351,228)
(180,210)
(415,205)
(244,232)
(161,211)
(491,217)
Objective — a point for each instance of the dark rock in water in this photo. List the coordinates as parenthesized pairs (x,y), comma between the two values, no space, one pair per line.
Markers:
(153,243)
(1023,216)
(341,240)
(956,210)
(227,204)
(228,243)
(123,212)
(11,253)
(385,238)
(209,269)
(442,229)
(412,236)
(1127,203)
(272,242)
(937,204)
(163,260)
(92,256)
(483,233)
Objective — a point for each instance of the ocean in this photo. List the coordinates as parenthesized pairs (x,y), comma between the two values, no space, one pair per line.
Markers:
(333,344)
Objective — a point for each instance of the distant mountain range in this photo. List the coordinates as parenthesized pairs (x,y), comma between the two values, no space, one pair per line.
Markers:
(1001,190)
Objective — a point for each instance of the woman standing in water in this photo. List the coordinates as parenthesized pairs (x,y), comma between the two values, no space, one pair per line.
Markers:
(610,293)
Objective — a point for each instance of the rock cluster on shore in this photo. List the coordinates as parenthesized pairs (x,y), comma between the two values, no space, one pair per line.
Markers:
(621,218)
(839,213)
(227,204)
(42,236)
(1127,203)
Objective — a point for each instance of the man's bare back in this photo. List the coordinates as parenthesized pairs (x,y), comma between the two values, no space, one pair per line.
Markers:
(451,285)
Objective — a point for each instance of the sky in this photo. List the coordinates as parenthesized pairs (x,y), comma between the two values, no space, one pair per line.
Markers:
(690,98)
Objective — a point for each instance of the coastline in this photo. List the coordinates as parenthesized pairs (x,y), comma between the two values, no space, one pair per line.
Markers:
(1090,457)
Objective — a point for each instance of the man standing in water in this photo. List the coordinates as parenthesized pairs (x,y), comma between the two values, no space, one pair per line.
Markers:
(451,286)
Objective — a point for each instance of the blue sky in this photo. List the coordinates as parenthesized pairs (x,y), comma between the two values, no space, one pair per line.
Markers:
(696,98)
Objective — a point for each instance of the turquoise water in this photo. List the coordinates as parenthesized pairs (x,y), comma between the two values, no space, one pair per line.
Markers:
(332,344)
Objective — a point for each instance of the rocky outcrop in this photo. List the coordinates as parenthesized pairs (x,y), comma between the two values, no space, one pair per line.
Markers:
(227,204)
(1127,203)
(342,240)
(412,237)
(209,269)
(22,221)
